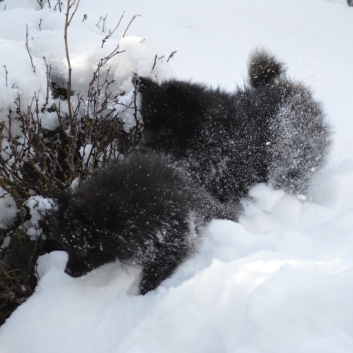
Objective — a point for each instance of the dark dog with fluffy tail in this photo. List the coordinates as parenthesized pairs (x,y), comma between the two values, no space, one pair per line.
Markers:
(138,211)
(270,131)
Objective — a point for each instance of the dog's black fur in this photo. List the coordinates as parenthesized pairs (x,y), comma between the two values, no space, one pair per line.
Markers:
(270,131)
(139,211)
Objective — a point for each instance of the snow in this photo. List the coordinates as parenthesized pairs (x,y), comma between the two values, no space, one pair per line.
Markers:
(279,280)
(8,209)
(38,207)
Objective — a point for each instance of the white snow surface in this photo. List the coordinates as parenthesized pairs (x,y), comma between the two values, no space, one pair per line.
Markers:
(278,281)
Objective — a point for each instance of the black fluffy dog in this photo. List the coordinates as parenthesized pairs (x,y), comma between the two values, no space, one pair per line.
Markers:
(139,211)
(270,131)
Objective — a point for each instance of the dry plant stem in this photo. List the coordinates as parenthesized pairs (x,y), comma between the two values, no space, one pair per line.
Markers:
(155,62)
(70,4)
(108,36)
(136,83)
(104,26)
(100,19)
(102,62)
(67,23)
(133,17)
(171,55)
(48,71)
(6,72)
(29,53)
(58,3)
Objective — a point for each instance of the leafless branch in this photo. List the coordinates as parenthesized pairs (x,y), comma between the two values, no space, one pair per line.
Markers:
(100,19)
(68,8)
(48,71)
(155,62)
(29,53)
(6,72)
(67,23)
(128,26)
(58,3)
(104,23)
(108,36)
(171,55)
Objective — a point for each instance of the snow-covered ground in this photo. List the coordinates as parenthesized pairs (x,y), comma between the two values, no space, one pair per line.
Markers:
(280,280)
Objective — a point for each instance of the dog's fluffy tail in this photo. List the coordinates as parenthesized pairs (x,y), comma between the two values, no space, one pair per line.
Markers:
(264,68)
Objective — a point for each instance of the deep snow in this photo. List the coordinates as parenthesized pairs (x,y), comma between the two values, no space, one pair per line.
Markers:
(281,279)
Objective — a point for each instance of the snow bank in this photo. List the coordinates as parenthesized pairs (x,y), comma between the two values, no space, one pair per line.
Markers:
(38,207)
(261,286)
(45,39)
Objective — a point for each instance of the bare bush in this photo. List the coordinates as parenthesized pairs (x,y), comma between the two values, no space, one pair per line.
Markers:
(39,160)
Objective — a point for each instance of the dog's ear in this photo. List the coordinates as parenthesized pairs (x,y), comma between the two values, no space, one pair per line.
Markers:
(146,84)
(61,197)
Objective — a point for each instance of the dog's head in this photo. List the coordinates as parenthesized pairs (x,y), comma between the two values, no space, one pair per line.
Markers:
(172,115)
(80,233)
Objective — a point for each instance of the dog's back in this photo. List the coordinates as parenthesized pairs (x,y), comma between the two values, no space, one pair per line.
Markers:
(270,131)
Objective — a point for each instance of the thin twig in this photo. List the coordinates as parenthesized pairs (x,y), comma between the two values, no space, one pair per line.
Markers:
(171,55)
(104,25)
(108,36)
(29,53)
(155,62)
(6,72)
(69,8)
(100,19)
(133,17)
(67,23)
(58,3)
(48,71)
(136,83)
